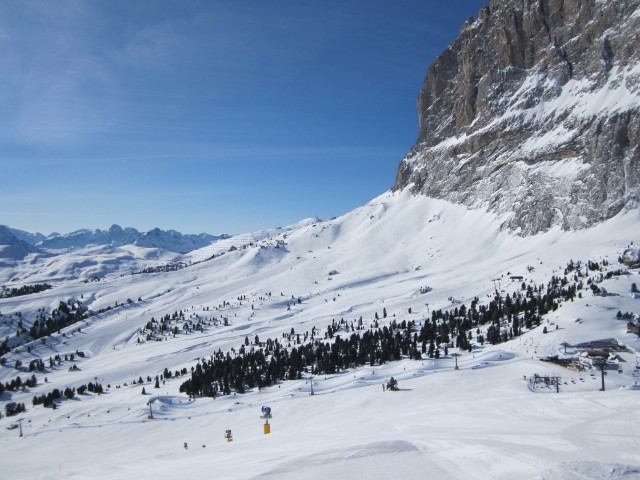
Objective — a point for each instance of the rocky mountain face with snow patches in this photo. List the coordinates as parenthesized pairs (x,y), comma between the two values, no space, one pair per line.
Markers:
(533,112)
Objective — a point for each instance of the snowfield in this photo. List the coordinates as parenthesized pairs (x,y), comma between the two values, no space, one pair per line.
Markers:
(483,421)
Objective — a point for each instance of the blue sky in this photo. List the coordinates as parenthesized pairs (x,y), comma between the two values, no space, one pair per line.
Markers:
(208,116)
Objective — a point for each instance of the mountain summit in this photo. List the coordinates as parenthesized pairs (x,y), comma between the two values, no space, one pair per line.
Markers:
(534,111)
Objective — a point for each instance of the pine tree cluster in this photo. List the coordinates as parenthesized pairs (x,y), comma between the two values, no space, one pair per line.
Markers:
(67,313)
(24,290)
(13,408)
(48,399)
(174,324)
(172,267)
(18,384)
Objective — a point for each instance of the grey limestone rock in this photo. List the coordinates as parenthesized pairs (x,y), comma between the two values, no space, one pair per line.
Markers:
(533,112)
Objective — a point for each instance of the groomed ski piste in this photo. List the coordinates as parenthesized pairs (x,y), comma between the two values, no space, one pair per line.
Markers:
(485,420)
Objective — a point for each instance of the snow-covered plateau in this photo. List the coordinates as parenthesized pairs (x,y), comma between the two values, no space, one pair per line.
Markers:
(399,258)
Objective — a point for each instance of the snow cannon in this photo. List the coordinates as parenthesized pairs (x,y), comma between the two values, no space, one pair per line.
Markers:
(228,436)
(266,415)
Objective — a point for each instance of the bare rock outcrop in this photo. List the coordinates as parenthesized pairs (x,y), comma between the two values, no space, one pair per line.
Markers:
(533,111)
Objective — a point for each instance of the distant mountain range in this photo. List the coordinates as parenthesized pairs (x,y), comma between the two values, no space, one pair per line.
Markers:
(169,240)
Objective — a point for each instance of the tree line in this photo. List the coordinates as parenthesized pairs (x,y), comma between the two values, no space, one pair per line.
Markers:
(24,290)
(260,365)
(48,399)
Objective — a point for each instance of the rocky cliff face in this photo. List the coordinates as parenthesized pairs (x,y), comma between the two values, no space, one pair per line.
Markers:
(534,111)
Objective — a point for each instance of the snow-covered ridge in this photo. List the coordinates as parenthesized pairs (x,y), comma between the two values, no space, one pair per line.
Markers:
(13,245)
(246,239)
(31,238)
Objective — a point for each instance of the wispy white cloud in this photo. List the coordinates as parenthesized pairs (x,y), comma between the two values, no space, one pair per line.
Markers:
(207,154)
(72,69)
(156,46)
(79,98)
(55,85)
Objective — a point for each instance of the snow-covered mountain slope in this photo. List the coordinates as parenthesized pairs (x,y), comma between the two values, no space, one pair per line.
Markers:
(245,240)
(12,247)
(31,238)
(89,263)
(400,254)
